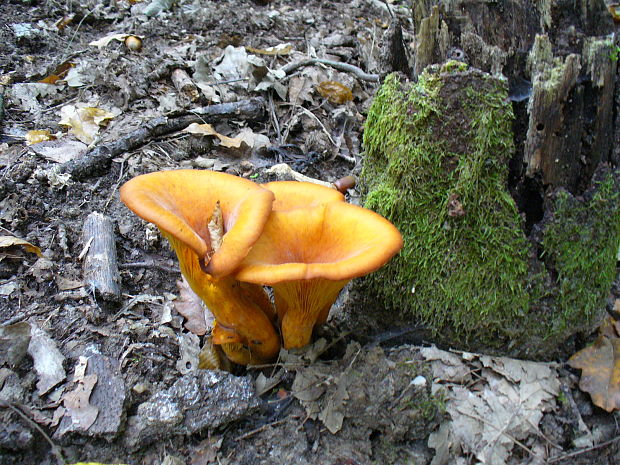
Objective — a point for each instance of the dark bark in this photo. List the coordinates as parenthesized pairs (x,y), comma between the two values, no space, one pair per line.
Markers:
(556,56)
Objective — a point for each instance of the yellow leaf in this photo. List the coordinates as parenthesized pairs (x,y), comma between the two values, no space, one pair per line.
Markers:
(34,137)
(207,130)
(10,241)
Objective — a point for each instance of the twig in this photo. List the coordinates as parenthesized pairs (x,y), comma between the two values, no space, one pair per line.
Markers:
(347,68)
(118,182)
(258,430)
(23,316)
(274,118)
(312,115)
(99,157)
(585,450)
(55,449)
(149,264)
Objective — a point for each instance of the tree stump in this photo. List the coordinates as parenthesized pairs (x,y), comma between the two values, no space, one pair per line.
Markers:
(498,165)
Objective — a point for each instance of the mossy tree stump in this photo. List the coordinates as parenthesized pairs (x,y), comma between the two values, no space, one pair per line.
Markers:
(501,172)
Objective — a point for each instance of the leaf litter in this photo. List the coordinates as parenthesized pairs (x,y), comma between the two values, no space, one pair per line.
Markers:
(494,414)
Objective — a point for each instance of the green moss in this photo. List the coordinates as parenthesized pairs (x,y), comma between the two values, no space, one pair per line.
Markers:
(467,269)
(465,272)
(580,245)
(451,66)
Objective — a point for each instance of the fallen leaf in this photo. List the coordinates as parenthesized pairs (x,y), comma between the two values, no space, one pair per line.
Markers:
(207,130)
(64,22)
(38,136)
(505,406)
(104,41)
(233,65)
(211,357)
(14,340)
(447,366)
(189,350)
(600,375)
(79,409)
(157,6)
(254,140)
(216,227)
(84,122)
(335,92)
(206,451)
(48,360)
(193,309)
(7,289)
(27,94)
(10,241)
(59,73)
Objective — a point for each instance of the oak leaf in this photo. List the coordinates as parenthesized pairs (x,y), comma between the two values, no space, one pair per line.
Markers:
(600,365)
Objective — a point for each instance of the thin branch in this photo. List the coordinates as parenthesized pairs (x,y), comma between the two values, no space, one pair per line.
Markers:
(585,450)
(15,407)
(258,430)
(347,68)
(99,157)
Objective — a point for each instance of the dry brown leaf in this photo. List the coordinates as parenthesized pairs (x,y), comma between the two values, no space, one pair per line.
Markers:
(10,241)
(335,92)
(206,452)
(207,130)
(82,413)
(600,375)
(59,73)
(216,227)
(191,307)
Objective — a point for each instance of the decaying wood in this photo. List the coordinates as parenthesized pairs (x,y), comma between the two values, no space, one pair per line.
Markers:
(97,159)
(184,84)
(284,172)
(100,263)
(556,56)
(393,55)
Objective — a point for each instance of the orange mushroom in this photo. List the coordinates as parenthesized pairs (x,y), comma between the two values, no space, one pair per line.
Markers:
(296,194)
(308,254)
(181,204)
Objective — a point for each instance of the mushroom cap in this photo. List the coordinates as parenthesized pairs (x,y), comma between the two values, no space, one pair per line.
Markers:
(181,202)
(296,194)
(335,241)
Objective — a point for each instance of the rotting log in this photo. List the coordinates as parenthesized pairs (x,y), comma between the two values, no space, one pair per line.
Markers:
(100,263)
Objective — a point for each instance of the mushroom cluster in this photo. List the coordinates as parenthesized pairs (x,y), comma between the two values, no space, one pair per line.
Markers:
(232,237)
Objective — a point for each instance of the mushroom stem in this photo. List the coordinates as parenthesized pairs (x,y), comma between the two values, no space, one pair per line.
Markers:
(238,307)
(297,303)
